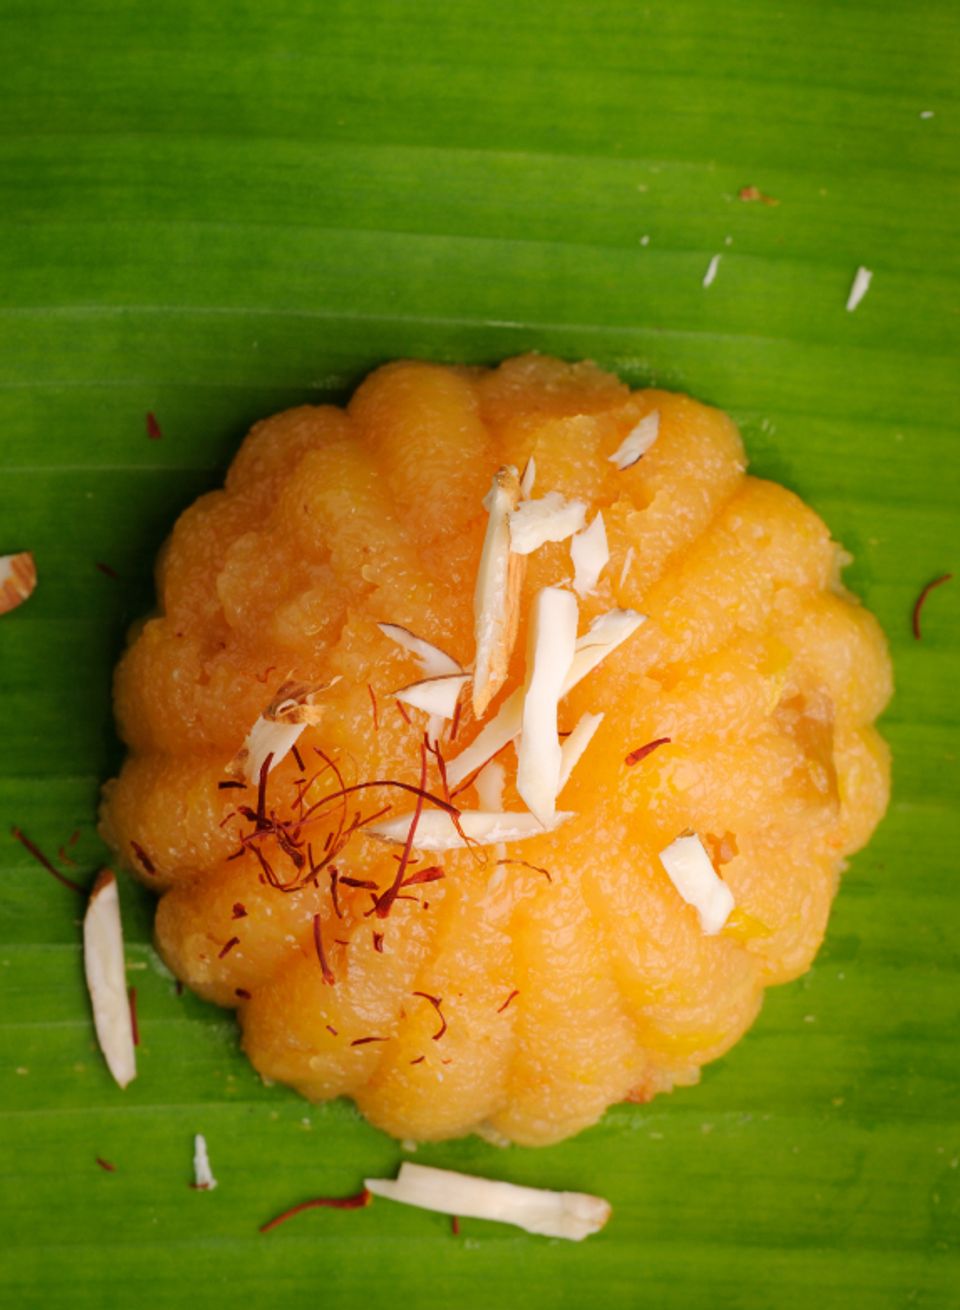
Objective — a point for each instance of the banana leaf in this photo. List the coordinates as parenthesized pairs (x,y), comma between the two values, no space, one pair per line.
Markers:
(213,211)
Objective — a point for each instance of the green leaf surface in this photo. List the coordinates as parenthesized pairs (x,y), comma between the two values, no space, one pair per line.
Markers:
(210,212)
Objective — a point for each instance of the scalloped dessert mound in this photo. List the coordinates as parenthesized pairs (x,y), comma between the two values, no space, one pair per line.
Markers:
(497,743)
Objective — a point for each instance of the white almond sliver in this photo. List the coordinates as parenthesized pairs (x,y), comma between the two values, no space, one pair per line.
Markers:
(551,518)
(436,830)
(627,564)
(573,1215)
(295,702)
(860,287)
(553,640)
(203,1179)
(590,555)
(266,737)
(436,696)
(689,868)
(104,965)
(604,635)
(496,596)
(18,578)
(637,442)
(575,745)
(489,784)
(433,661)
(528,478)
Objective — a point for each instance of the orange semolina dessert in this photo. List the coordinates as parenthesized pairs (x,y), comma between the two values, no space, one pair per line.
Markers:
(497,742)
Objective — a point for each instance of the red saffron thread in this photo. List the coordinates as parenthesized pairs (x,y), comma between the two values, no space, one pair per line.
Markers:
(262,793)
(921,600)
(144,858)
(363,883)
(105,1164)
(64,858)
(328,1202)
(239,910)
(330,1029)
(334,875)
(42,860)
(525,864)
(228,947)
(373,702)
(642,752)
(403,713)
(436,1002)
(378,942)
(455,721)
(298,757)
(325,969)
(362,1041)
(229,784)
(75,838)
(242,993)
(514,993)
(107,570)
(419,1060)
(455,1225)
(154,431)
(262,677)
(134,1026)
(432,874)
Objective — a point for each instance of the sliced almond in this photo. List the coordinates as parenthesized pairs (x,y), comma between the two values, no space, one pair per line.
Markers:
(434,662)
(203,1179)
(105,967)
(266,737)
(553,640)
(496,598)
(295,702)
(574,746)
(573,1215)
(590,555)
(551,518)
(18,578)
(436,830)
(489,784)
(436,696)
(604,635)
(278,728)
(637,442)
(689,868)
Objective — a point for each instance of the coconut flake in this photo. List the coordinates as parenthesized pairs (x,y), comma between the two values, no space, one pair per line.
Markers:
(711,272)
(553,639)
(436,696)
(436,830)
(861,285)
(575,745)
(18,578)
(496,597)
(551,518)
(434,662)
(573,1215)
(528,477)
(104,965)
(637,441)
(590,555)
(203,1178)
(604,635)
(689,868)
